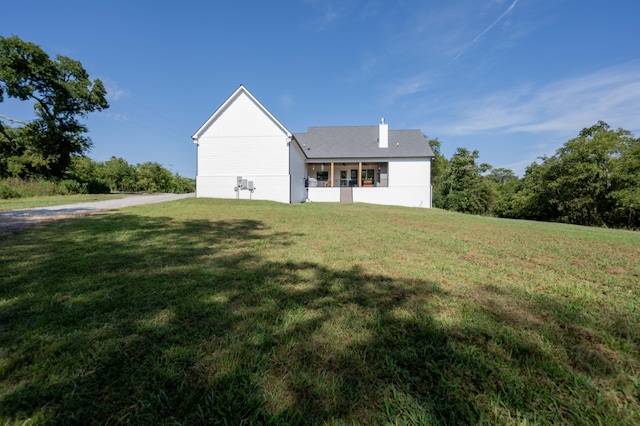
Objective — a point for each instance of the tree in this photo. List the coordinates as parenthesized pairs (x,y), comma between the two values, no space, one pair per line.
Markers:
(62,92)
(152,177)
(502,176)
(505,184)
(439,170)
(120,175)
(626,185)
(591,180)
(465,189)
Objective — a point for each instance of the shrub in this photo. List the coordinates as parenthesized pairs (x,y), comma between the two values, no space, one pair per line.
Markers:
(32,188)
(97,186)
(70,186)
(7,192)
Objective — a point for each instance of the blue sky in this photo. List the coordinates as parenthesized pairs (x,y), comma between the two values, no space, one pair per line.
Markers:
(513,79)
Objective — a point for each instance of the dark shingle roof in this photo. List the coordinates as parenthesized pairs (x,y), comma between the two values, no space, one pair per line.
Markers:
(361,142)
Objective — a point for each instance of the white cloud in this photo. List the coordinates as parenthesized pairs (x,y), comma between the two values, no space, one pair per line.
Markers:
(565,106)
(405,87)
(485,31)
(114,116)
(286,101)
(330,11)
(114,92)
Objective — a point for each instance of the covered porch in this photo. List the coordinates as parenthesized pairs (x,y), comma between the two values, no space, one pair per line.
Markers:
(359,174)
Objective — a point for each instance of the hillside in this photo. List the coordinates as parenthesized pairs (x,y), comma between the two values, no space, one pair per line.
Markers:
(214,311)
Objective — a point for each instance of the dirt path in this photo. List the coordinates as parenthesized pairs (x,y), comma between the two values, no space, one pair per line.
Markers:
(17,219)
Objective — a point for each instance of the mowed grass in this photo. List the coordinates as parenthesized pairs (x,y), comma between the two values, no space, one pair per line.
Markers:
(237,312)
(55,200)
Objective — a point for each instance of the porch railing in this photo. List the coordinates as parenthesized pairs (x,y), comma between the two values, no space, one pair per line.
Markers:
(366,183)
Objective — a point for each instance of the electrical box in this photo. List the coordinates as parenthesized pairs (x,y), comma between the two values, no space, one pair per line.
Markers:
(250,185)
(239,184)
(244,183)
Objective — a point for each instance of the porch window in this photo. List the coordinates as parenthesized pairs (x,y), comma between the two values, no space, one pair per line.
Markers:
(323,178)
(368,177)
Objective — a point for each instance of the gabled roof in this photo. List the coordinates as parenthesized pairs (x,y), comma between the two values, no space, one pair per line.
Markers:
(361,142)
(235,95)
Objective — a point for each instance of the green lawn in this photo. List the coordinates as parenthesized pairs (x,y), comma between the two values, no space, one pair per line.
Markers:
(55,200)
(238,312)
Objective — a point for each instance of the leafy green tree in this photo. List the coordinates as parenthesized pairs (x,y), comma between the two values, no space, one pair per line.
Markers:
(535,198)
(626,185)
(591,180)
(84,174)
(62,93)
(465,189)
(505,184)
(439,170)
(120,175)
(152,177)
(182,185)
(583,179)
(10,151)
(502,176)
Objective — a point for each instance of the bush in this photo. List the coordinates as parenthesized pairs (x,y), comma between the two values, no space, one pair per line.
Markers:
(32,188)
(97,186)
(70,186)
(7,192)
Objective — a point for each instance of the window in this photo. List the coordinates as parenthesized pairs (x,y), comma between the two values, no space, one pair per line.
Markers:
(343,178)
(322,176)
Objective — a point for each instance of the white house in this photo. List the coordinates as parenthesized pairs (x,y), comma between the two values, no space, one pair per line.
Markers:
(369,164)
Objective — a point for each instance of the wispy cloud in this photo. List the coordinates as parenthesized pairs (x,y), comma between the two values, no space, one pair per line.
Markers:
(483,32)
(113,116)
(565,106)
(114,92)
(404,87)
(330,11)
(286,101)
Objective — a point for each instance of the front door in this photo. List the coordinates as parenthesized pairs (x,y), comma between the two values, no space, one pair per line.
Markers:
(343,178)
(354,178)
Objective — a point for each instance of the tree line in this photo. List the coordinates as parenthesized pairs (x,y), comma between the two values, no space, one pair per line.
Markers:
(52,147)
(117,175)
(87,176)
(593,179)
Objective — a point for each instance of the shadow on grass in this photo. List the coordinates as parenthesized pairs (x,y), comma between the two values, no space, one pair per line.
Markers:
(132,319)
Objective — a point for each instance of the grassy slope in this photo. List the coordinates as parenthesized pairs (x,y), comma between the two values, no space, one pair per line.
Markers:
(209,311)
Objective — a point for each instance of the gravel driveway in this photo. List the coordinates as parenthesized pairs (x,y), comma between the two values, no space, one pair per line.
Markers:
(18,219)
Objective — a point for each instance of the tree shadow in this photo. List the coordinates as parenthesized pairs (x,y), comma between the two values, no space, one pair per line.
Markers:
(122,318)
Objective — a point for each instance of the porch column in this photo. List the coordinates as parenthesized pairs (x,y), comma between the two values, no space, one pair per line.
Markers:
(360,173)
(331,185)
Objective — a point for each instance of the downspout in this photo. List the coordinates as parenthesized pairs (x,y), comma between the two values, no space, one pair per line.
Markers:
(289,138)
(195,140)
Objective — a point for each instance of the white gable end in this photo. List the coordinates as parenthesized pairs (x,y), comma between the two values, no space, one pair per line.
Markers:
(242,118)
(241,115)
(242,138)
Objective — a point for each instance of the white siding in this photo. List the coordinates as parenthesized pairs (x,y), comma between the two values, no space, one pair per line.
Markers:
(274,188)
(297,170)
(409,196)
(242,117)
(232,155)
(243,139)
(321,195)
(409,185)
(407,173)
